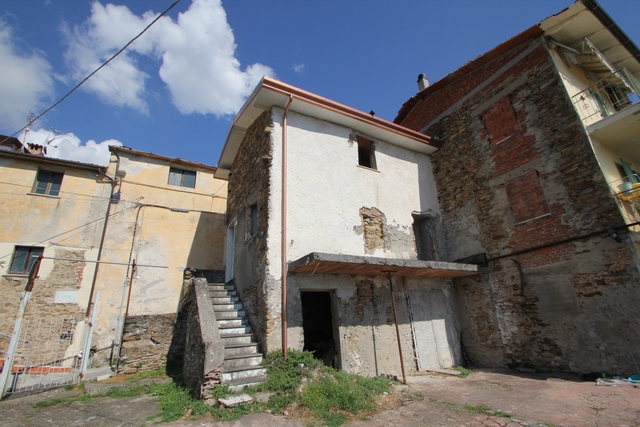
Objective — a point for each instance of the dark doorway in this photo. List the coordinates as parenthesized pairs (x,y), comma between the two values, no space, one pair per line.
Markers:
(318,326)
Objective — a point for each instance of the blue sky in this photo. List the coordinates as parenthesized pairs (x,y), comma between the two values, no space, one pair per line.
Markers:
(177,88)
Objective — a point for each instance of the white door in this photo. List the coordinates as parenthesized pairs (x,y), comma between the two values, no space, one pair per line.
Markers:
(231,239)
(436,341)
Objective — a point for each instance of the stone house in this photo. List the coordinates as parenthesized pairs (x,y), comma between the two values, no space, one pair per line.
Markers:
(537,179)
(53,208)
(324,203)
(165,214)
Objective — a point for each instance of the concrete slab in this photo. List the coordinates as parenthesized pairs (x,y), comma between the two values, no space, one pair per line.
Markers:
(235,400)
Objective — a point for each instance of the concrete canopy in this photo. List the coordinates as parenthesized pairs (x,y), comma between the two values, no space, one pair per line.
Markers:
(323,263)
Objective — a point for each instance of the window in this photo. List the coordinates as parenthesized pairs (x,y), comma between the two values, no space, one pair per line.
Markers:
(252,221)
(48,183)
(182,178)
(526,197)
(23,259)
(366,154)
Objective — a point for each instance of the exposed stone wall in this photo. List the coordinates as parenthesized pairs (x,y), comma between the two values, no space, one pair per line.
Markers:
(203,347)
(146,342)
(249,185)
(53,326)
(517,179)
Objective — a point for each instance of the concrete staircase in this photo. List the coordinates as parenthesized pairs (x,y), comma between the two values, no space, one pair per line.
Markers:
(242,360)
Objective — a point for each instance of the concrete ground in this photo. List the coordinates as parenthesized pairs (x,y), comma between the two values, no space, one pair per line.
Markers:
(486,398)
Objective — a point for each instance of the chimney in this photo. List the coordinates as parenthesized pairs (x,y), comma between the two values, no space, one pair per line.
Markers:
(423,83)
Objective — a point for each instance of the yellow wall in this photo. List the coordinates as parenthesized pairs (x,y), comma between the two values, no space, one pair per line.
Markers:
(143,227)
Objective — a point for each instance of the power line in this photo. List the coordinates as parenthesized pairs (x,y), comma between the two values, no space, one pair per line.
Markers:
(30,122)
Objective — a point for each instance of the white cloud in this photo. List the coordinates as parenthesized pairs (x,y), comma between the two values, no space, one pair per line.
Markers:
(25,81)
(70,147)
(298,68)
(108,29)
(196,55)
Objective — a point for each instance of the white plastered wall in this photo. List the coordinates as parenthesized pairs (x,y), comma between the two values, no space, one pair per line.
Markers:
(325,191)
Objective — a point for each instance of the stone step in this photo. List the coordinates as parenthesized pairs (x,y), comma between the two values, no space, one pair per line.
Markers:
(224,300)
(224,330)
(240,349)
(240,321)
(220,287)
(234,339)
(227,306)
(222,293)
(243,383)
(243,372)
(229,314)
(241,360)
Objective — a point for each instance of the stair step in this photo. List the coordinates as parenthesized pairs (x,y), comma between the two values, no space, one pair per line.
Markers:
(229,314)
(243,371)
(235,339)
(241,349)
(220,287)
(222,293)
(241,360)
(224,330)
(240,321)
(224,300)
(243,383)
(227,306)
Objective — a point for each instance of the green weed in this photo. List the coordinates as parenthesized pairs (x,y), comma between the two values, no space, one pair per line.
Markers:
(464,372)
(483,409)
(118,393)
(336,392)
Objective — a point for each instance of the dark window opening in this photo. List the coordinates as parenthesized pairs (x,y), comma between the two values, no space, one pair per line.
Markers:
(366,153)
(182,178)
(424,228)
(23,259)
(48,183)
(252,220)
(318,326)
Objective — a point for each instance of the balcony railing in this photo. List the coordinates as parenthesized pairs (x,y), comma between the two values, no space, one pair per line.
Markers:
(607,96)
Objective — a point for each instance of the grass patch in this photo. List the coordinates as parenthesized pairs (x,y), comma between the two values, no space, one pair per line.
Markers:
(118,393)
(54,402)
(464,372)
(301,383)
(486,410)
(483,409)
(175,402)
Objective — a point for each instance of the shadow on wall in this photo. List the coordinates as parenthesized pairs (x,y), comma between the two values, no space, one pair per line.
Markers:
(207,248)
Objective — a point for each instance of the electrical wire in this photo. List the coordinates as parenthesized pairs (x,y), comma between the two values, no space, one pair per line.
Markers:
(30,122)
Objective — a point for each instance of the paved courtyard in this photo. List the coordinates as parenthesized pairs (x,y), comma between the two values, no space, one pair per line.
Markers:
(486,398)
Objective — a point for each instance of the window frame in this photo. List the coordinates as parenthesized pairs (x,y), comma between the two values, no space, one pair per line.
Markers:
(366,153)
(173,172)
(31,255)
(51,187)
(251,223)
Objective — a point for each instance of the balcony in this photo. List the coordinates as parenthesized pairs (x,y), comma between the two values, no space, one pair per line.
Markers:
(607,96)
(627,194)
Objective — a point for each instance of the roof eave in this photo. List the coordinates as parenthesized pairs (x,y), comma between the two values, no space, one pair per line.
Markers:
(272,93)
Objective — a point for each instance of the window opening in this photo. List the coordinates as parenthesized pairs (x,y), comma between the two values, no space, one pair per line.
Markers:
(23,259)
(366,153)
(252,221)
(48,183)
(182,178)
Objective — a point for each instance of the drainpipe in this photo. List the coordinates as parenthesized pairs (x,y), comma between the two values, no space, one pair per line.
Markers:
(283,226)
(104,233)
(389,273)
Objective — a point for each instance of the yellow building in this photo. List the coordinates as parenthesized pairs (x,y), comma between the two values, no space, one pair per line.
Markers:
(90,224)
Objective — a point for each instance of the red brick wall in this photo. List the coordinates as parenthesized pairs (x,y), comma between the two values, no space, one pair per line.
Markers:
(517,179)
